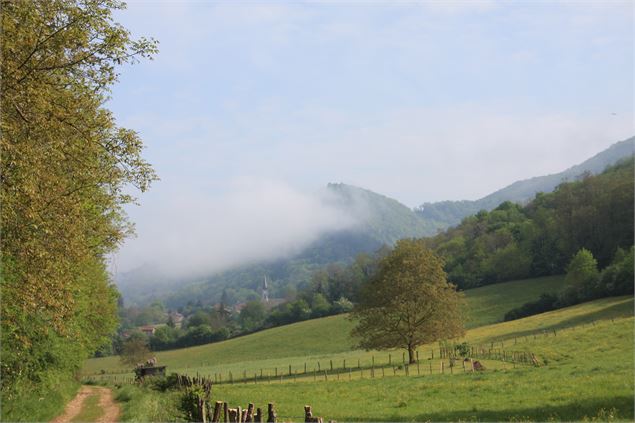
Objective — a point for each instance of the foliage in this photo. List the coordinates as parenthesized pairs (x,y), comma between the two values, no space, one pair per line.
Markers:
(58,387)
(582,277)
(135,350)
(513,242)
(64,172)
(546,302)
(190,400)
(252,316)
(408,303)
(144,404)
(584,283)
(618,277)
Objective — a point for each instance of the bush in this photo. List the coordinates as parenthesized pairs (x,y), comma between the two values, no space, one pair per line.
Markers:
(546,302)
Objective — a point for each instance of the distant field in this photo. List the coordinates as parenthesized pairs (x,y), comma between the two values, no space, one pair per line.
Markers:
(488,304)
(326,337)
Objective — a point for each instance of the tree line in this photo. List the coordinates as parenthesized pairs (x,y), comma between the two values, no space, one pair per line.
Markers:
(65,172)
(539,239)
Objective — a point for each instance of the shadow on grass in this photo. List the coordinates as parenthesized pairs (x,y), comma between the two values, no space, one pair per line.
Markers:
(623,309)
(600,409)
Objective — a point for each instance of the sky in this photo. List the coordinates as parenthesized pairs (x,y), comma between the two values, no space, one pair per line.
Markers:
(250,108)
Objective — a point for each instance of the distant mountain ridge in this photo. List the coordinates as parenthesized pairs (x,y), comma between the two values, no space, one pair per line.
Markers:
(450,213)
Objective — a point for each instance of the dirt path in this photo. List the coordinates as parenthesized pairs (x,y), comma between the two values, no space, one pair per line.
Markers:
(110,410)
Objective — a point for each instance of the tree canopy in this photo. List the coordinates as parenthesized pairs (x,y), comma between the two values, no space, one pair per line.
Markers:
(409,302)
(65,169)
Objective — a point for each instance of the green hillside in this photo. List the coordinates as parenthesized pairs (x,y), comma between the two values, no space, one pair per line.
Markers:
(585,374)
(585,354)
(485,306)
(488,304)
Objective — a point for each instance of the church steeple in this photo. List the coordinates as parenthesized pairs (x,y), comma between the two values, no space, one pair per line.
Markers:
(265,291)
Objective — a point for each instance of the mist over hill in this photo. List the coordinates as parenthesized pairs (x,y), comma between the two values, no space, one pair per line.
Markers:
(363,222)
(376,221)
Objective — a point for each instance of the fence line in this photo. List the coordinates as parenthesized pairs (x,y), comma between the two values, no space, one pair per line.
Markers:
(494,350)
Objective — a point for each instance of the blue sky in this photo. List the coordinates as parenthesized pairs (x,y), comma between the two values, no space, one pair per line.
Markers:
(420,101)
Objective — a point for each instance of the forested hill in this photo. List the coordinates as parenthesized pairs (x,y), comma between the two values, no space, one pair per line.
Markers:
(380,221)
(450,213)
(384,218)
(515,242)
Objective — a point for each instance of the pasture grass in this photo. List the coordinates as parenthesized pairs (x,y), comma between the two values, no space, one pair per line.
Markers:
(585,373)
(43,402)
(585,354)
(320,339)
(488,304)
(141,404)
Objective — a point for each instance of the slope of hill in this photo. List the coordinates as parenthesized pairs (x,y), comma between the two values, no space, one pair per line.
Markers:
(485,306)
(584,354)
(584,374)
(450,213)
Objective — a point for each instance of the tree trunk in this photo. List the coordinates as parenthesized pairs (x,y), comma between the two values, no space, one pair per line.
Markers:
(411,355)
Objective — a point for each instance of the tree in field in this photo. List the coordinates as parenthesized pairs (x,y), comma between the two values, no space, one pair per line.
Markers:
(64,177)
(409,302)
(582,277)
(135,350)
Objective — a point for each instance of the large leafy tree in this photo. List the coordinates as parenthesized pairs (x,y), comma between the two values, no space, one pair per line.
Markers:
(65,169)
(408,302)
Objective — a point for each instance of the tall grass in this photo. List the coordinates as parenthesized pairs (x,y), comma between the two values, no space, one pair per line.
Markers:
(43,402)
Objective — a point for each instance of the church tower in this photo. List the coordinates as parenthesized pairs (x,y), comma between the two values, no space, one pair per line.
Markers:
(265,291)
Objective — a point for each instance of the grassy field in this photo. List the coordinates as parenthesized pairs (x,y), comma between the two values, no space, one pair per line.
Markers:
(489,304)
(586,366)
(321,339)
(589,374)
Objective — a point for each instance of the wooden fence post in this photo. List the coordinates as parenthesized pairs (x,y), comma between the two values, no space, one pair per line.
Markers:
(218,406)
(271,414)
(249,417)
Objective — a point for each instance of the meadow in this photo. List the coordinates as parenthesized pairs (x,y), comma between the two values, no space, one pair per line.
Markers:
(584,371)
(320,340)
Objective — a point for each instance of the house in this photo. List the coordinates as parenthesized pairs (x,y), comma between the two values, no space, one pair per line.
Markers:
(148,329)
